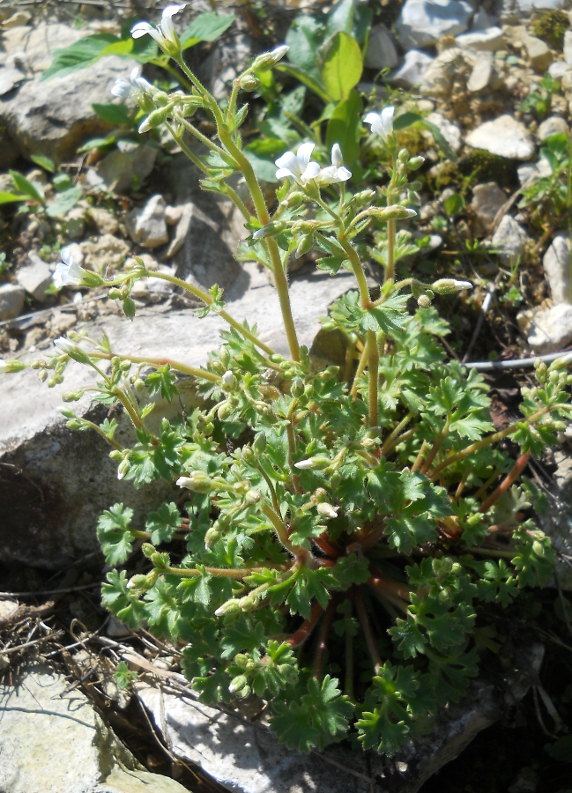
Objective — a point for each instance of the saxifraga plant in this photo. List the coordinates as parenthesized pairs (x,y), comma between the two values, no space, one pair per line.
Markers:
(333,560)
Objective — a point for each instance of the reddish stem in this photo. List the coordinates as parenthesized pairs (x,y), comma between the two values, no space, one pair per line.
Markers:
(367,632)
(306,627)
(388,584)
(330,549)
(514,474)
(323,637)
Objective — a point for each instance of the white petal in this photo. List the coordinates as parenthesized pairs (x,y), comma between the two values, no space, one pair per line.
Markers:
(284,173)
(67,255)
(168,11)
(328,175)
(135,73)
(303,464)
(311,171)
(371,118)
(121,89)
(304,153)
(337,158)
(287,161)
(168,29)
(343,174)
(141,29)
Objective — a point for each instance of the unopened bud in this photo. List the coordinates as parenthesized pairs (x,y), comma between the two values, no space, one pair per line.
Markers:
(6,367)
(297,388)
(415,163)
(304,245)
(230,607)
(249,82)
(228,381)
(392,212)
(154,119)
(259,444)
(318,462)
(198,481)
(423,301)
(270,59)
(114,293)
(327,510)
(212,536)
(293,200)
(129,308)
(447,286)
(72,396)
(252,497)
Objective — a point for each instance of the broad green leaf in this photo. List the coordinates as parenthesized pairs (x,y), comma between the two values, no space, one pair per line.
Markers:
(341,66)
(63,202)
(27,188)
(304,39)
(454,204)
(341,17)
(44,162)
(408,119)
(10,198)
(113,114)
(262,153)
(97,143)
(206,27)
(79,55)
(344,127)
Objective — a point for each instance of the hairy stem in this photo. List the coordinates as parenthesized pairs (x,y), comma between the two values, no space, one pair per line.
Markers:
(305,629)
(519,466)
(373,376)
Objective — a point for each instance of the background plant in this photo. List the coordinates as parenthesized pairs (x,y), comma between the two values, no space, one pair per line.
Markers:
(339,527)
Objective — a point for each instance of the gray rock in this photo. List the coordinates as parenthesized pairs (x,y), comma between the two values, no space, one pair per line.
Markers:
(567,47)
(105,220)
(557,266)
(438,78)
(36,44)
(552,126)
(482,21)
(482,73)
(509,239)
(154,289)
(9,79)
(58,462)
(41,724)
(74,223)
(551,328)
(147,226)
(19,18)
(490,39)
(451,132)
(381,50)
(488,198)
(107,251)
(424,22)
(52,118)
(516,9)
(411,71)
(504,136)
(557,520)
(127,164)
(539,53)
(531,173)
(245,757)
(12,298)
(558,69)
(35,277)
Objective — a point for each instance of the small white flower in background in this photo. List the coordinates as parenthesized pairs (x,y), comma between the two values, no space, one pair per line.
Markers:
(3,366)
(327,510)
(65,345)
(136,87)
(298,166)
(336,172)
(381,123)
(68,271)
(165,34)
(448,286)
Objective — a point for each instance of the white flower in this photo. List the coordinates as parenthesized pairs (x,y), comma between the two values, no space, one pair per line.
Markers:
(448,286)
(298,166)
(65,345)
(336,172)
(165,34)
(269,59)
(68,271)
(381,123)
(3,366)
(137,86)
(304,465)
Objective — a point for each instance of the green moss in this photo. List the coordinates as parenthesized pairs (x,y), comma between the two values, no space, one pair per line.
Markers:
(551,26)
(482,166)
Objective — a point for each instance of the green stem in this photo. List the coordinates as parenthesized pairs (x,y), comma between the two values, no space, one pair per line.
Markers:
(156,362)
(135,418)
(190,154)
(279,526)
(360,370)
(113,442)
(220,572)
(390,269)
(194,80)
(357,267)
(373,373)
(388,441)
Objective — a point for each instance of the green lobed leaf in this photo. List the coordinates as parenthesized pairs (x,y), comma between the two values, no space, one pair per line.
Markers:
(114,533)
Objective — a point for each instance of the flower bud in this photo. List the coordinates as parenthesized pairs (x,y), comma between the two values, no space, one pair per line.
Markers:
(114,293)
(269,230)
(72,396)
(148,549)
(392,212)
(92,280)
(228,381)
(252,497)
(129,308)
(563,362)
(155,119)
(123,469)
(297,388)
(327,510)
(415,163)
(364,197)
(238,684)
(269,59)
(293,200)
(259,444)
(42,375)
(224,411)
(11,366)
(447,286)
(423,301)
(230,607)
(212,536)
(198,481)
(248,82)
(318,462)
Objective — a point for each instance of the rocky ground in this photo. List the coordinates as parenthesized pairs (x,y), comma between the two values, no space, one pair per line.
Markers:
(495,81)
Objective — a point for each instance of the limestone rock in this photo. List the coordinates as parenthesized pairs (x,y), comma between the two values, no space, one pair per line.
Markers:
(551,328)
(35,277)
(381,50)
(509,239)
(490,40)
(107,251)
(424,22)
(531,173)
(154,289)
(556,520)
(558,69)
(51,531)
(12,298)
(552,126)
(504,136)
(567,47)
(53,117)
(36,44)
(127,164)
(488,198)
(19,18)
(147,226)
(451,132)
(411,71)
(482,73)
(437,80)
(538,52)
(105,220)
(41,724)
(516,9)
(9,79)
(557,264)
